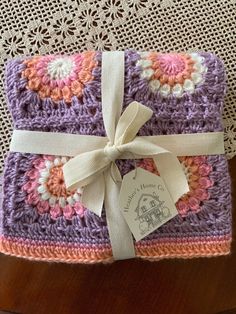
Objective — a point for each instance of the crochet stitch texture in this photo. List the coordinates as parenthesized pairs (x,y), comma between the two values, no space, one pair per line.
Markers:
(41,220)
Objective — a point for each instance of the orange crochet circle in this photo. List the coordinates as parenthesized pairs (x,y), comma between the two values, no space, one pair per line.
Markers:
(56,184)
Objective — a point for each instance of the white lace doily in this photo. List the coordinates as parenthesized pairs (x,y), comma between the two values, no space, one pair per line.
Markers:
(51,26)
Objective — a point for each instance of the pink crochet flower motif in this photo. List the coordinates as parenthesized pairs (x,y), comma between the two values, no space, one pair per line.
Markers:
(172,73)
(197,171)
(46,189)
(59,77)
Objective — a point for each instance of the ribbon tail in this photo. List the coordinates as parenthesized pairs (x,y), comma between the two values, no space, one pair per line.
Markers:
(173,175)
(115,173)
(120,235)
(93,195)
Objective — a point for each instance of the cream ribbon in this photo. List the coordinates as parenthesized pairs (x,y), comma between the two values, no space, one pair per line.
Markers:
(96,170)
(64,144)
(93,166)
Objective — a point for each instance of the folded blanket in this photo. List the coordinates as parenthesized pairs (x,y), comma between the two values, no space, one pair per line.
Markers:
(40,219)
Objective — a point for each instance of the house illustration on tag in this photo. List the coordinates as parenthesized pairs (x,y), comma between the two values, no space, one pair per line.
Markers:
(151,211)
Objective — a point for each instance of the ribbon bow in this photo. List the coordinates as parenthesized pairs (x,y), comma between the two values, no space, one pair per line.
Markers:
(90,170)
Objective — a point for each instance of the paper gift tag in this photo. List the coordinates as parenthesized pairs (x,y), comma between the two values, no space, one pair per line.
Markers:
(145,202)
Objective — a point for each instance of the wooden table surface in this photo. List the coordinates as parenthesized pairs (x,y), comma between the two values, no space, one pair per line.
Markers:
(197,286)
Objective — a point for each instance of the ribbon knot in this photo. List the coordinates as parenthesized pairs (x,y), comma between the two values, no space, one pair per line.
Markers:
(112,151)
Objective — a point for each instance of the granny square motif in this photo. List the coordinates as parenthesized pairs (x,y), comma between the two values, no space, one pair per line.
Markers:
(40,219)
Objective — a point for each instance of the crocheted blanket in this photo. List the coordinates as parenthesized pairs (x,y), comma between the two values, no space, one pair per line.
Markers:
(42,220)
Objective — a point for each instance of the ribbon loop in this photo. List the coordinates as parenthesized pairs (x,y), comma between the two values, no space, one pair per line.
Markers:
(132,119)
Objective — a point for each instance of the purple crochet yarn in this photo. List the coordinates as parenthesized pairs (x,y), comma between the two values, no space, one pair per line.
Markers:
(198,111)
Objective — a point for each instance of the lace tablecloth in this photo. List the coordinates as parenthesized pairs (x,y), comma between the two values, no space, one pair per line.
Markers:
(53,26)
